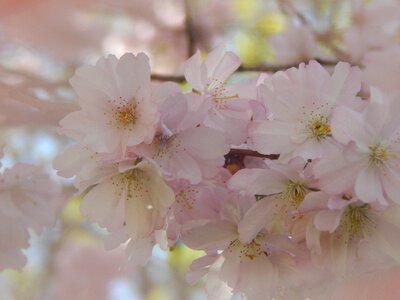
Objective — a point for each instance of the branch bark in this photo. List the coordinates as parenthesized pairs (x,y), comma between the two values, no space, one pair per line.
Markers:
(242,69)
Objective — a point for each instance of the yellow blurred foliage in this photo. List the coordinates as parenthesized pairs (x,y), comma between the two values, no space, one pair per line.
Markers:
(270,24)
(158,293)
(71,212)
(180,257)
(252,48)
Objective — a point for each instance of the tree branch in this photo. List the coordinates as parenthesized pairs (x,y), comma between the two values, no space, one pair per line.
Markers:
(258,68)
(245,152)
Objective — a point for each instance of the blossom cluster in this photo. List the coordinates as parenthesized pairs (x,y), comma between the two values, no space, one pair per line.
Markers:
(316,205)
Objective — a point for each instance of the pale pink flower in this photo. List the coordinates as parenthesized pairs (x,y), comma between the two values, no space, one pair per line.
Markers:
(280,190)
(88,167)
(27,201)
(254,267)
(229,110)
(370,160)
(300,103)
(181,148)
(196,202)
(135,197)
(340,226)
(117,101)
(138,252)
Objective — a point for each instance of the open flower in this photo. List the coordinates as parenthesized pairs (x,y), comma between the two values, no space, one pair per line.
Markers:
(280,190)
(300,102)
(117,109)
(136,197)
(341,226)
(253,266)
(182,148)
(229,111)
(370,160)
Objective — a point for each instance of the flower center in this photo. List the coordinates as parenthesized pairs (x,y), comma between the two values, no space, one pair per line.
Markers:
(318,129)
(377,154)
(186,199)
(249,251)
(125,115)
(165,145)
(220,94)
(356,220)
(295,193)
(134,181)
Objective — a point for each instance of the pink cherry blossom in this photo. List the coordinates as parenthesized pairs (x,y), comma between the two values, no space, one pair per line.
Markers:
(300,103)
(280,190)
(229,104)
(136,197)
(88,167)
(340,225)
(182,148)
(201,201)
(369,161)
(240,265)
(118,108)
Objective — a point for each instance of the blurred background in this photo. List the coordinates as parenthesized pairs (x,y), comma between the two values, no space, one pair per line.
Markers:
(42,42)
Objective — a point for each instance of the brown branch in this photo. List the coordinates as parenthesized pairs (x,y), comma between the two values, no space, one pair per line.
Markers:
(246,152)
(234,160)
(258,68)
(276,68)
(174,78)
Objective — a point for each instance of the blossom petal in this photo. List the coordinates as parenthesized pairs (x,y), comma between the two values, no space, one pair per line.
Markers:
(258,181)
(368,187)
(328,220)
(255,219)
(214,235)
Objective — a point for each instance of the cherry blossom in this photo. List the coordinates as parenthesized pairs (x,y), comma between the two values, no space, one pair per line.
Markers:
(340,225)
(369,161)
(229,110)
(139,192)
(300,103)
(280,190)
(118,109)
(182,149)
(241,265)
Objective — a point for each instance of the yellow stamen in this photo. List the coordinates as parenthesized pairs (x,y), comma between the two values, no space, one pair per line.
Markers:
(319,129)
(126,115)
(295,193)
(377,155)
(356,220)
